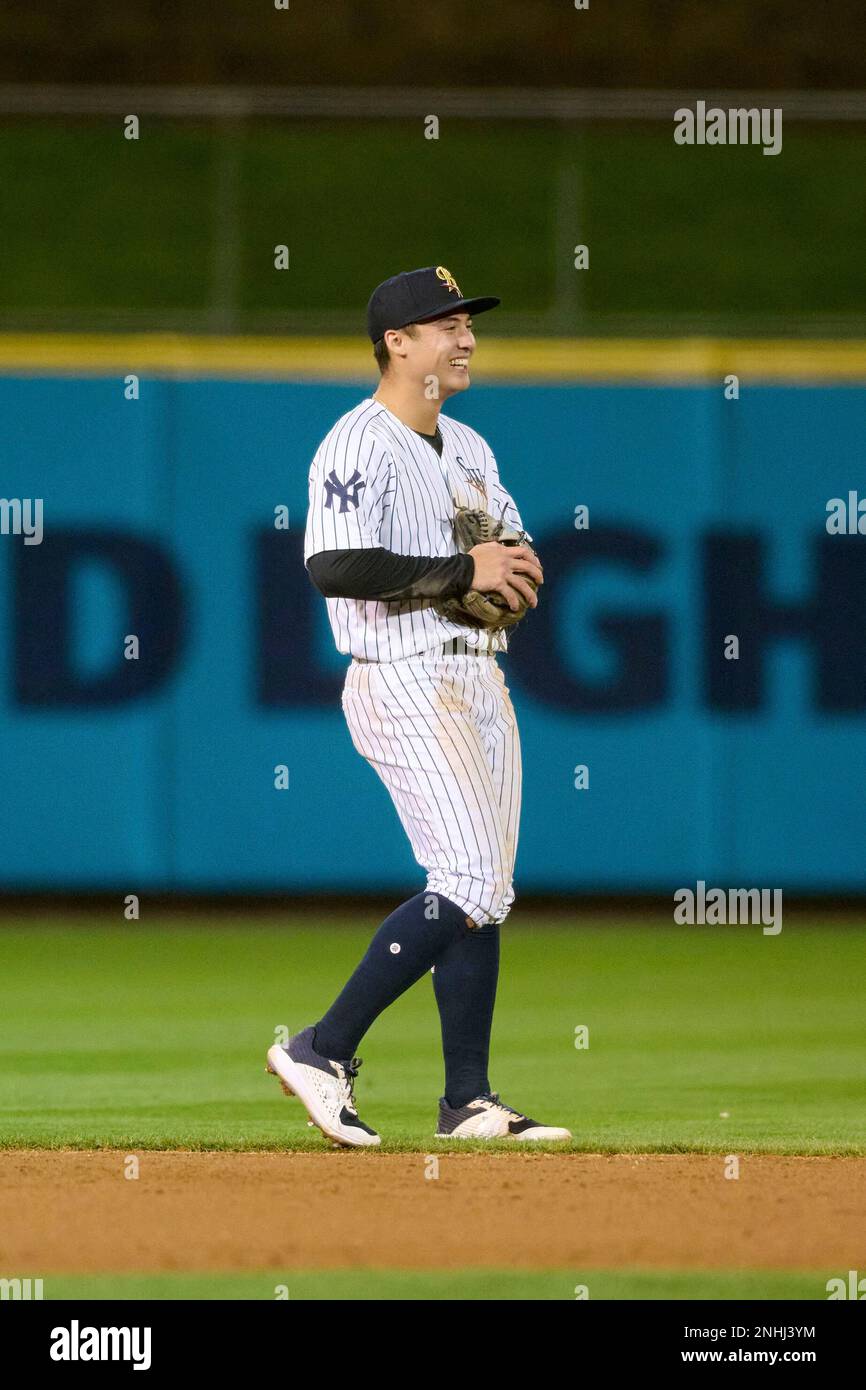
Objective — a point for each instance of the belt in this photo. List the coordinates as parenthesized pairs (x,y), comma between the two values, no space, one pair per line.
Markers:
(457,646)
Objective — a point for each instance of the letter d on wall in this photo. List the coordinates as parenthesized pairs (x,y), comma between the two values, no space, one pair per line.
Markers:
(45,671)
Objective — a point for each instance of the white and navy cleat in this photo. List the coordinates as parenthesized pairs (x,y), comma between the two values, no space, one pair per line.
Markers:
(487,1117)
(325,1089)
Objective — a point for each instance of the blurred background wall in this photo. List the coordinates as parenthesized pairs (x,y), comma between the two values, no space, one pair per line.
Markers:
(602,387)
(175,230)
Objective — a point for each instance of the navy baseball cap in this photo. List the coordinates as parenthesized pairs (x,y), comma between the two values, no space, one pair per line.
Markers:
(417,296)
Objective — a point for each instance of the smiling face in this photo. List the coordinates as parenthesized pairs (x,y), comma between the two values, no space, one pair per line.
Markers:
(441,349)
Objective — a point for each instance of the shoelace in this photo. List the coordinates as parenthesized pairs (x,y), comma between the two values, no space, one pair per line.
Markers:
(493,1098)
(350,1071)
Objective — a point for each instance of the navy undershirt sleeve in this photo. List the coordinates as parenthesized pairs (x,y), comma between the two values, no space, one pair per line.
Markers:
(380,574)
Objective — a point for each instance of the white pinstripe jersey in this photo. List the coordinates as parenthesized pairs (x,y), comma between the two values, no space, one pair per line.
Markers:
(375,482)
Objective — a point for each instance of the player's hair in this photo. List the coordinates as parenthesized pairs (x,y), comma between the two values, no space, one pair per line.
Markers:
(380,348)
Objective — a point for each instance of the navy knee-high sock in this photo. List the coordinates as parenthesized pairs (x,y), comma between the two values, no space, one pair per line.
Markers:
(464,981)
(404,947)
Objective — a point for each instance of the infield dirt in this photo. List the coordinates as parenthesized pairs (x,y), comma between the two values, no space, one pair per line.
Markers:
(69,1211)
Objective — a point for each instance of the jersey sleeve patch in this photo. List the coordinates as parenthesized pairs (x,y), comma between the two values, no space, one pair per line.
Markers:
(349,481)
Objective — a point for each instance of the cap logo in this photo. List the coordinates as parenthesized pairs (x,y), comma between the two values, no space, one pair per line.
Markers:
(449,280)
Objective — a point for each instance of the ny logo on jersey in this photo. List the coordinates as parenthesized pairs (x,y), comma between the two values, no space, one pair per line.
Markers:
(348,493)
(473,476)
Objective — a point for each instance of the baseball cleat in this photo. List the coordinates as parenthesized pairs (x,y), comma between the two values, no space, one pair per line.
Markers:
(487,1117)
(324,1088)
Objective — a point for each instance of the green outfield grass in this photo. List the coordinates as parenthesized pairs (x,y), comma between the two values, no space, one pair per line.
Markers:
(142,1036)
(469,1284)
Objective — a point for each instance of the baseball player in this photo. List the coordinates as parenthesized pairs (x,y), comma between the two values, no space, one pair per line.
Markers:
(424,698)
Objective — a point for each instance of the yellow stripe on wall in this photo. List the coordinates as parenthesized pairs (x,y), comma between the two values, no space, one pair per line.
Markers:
(497,359)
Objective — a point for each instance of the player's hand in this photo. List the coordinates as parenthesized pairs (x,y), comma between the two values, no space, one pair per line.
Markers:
(501,569)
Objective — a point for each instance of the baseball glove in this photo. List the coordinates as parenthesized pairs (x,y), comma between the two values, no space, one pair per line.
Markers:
(473,527)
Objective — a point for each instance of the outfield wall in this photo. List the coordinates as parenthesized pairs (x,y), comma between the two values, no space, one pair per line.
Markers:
(706,518)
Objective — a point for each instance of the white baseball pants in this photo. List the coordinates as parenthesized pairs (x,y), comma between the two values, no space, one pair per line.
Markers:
(441,733)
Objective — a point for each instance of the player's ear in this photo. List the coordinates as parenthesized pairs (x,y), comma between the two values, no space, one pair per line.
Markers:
(395,340)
